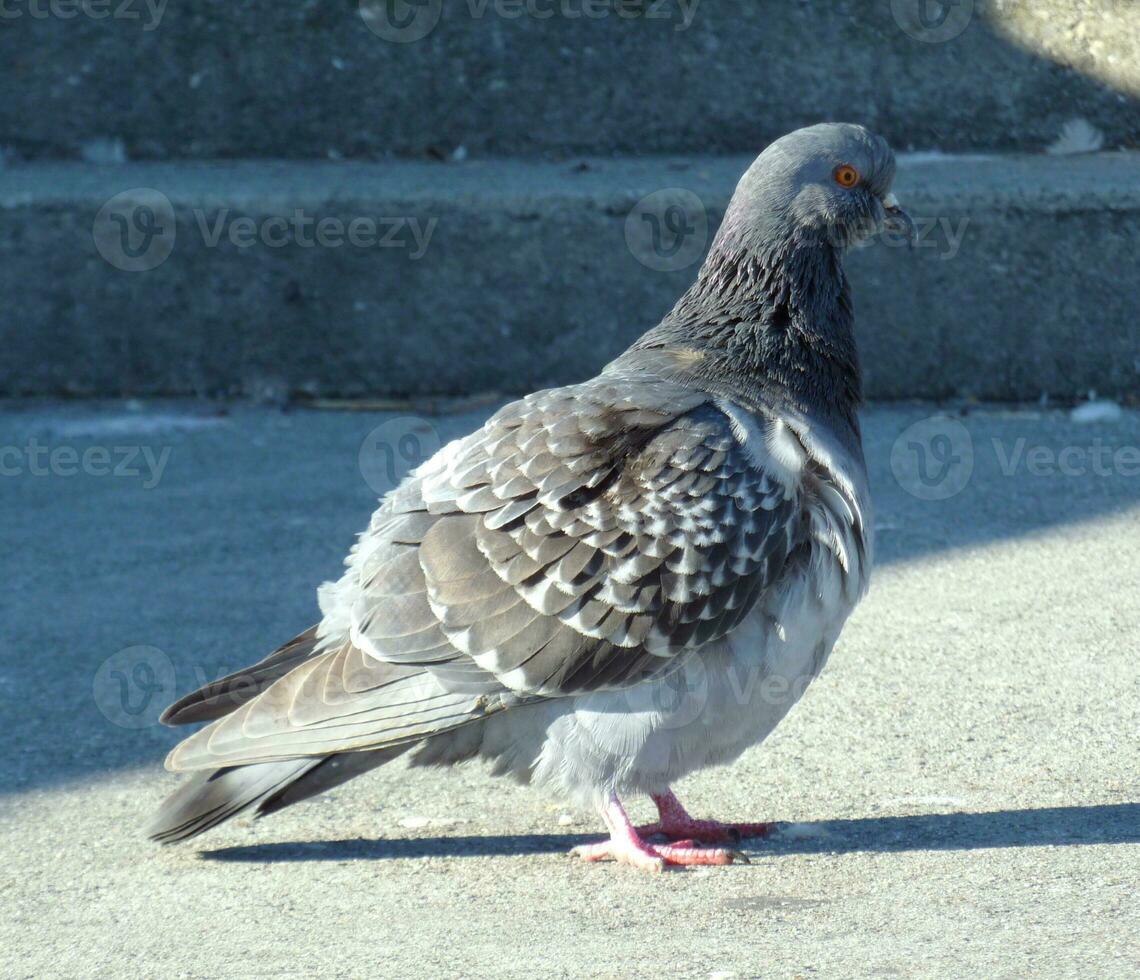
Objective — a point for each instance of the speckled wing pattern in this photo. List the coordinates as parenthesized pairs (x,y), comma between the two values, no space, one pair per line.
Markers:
(594,533)
(585,538)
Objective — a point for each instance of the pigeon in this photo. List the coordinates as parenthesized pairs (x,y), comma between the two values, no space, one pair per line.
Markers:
(612,584)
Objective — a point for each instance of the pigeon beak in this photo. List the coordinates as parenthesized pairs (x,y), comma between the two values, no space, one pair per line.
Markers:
(898,222)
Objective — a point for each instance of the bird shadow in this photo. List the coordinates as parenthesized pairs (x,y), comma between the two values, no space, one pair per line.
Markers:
(1063,826)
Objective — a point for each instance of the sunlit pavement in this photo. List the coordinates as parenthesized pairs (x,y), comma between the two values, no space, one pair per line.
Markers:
(959,792)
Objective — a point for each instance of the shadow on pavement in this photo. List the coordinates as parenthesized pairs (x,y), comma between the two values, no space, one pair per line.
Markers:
(208,571)
(1046,827)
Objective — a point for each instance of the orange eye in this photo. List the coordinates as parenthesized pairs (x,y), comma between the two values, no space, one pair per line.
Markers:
(847,176)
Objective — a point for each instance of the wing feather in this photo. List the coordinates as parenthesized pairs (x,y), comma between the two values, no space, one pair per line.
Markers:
(586,538)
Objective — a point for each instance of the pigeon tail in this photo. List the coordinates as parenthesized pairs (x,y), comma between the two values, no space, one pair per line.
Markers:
(207,799)
(210,797)
(219,698)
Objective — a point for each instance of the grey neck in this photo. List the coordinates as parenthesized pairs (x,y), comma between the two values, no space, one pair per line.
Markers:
(769,328)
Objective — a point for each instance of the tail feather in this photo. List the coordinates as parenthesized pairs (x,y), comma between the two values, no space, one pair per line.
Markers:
(207,799)
(337,701)
(331,771)
(301,721)
(222,696)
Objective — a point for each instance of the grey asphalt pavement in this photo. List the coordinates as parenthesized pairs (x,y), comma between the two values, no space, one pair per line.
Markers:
(958,794)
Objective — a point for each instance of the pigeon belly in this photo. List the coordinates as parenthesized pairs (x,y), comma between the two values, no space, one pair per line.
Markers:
(722,699)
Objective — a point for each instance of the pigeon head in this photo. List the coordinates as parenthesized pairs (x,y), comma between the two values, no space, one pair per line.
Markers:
(827,184)
(769,320)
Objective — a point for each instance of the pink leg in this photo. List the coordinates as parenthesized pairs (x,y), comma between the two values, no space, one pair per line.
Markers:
(627,847)
(673,821)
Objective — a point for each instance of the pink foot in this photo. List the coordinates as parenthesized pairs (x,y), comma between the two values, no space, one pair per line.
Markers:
(654,857)
(627,847)
(673,821)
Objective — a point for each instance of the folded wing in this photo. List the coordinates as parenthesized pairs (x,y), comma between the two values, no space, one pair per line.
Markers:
(585,538)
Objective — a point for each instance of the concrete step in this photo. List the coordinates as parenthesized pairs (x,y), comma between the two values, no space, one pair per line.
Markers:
(408,278)
(367,78)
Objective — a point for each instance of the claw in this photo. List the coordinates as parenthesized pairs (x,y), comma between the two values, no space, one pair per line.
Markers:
(627,846)
(656,857)
(644,859)
(674,821)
